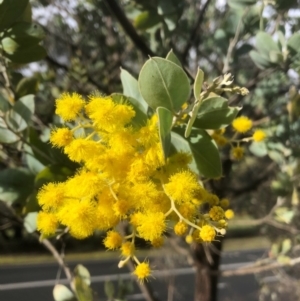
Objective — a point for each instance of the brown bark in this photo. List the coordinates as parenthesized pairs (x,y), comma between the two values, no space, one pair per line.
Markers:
(207,266)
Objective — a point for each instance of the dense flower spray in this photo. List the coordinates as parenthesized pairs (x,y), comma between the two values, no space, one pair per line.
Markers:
(124,177)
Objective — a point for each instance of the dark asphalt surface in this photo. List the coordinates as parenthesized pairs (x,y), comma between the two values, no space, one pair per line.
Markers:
(35,282)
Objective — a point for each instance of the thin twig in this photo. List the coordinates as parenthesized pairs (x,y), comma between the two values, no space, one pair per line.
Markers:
(194,31)
(6,226)
(57,256)
(251,269)
(7,84)
(116,10)
(268,219)
(137,40)
(174,242)
(171,288)
(233,43)
(45,242)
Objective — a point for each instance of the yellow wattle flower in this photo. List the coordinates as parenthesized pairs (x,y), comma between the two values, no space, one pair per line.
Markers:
(47,223)
(242,124)
(237,152)
(125,177)
(216,213)
(61,137)
(142,271)
(180,228)
(207,233)
(68,106)
(182,186)
(259,135)
(113,240)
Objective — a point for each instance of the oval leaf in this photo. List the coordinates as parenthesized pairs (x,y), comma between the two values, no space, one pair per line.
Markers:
(6,135)
(198,83)
(25,107)
(30,222)
(26,16)
(20,115)
(25,33)
(83,272)
(33,163)
(9,45)
(293,43)
(4,104)
(27,85)
(276,57)
(192,119)
(10,10)
(265,44)
(109,289)
(173,58)
(27,55)
(259,60)
(62,293)
(286,246)
(214,113)
(131,89)
(83,291)
(206,158)
(31,204)
(164,84)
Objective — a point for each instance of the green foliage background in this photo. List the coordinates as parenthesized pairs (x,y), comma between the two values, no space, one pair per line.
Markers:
(81,47)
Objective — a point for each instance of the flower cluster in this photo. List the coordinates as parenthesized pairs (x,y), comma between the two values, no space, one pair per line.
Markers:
(241,125)
(124,177)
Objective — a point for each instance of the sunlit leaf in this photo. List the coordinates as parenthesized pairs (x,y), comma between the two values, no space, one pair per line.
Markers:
(198,83)
(83,291)
(265,44)
(30,222)
(214,113)
(131,89)
(164,84)
(173,58)
(83,272)
(286,246)
(62,293)
(206,158)
(293,43)
(261,61)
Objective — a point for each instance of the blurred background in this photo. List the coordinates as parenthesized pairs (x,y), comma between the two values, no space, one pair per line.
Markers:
(52,46)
